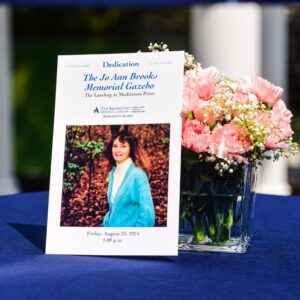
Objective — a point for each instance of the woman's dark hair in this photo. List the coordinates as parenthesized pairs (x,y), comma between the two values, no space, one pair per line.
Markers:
(137,153)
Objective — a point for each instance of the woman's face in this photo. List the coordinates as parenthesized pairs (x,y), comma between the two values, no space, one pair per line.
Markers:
(120,151)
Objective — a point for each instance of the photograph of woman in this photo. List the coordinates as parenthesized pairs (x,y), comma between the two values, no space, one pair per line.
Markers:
(129,195)
(108,180)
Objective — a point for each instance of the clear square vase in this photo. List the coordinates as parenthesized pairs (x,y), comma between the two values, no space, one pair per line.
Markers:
(216,212)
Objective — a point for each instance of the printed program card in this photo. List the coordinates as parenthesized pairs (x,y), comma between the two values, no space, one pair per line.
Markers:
(115,173)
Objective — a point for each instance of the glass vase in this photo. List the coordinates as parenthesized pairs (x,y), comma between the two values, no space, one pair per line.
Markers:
(216,212)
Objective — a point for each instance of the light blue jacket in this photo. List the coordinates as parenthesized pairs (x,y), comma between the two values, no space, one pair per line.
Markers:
(133,204)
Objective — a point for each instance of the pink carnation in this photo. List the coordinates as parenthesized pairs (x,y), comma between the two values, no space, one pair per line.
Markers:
(264,90)
(281,124)
(229,141)
(280,113)
(199,85)
(273,142)
(195,136)
(205,88)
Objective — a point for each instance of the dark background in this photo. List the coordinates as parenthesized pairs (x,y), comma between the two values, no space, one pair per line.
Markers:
(40,34)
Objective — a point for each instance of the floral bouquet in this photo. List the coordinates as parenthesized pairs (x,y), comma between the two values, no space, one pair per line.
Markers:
(229,127)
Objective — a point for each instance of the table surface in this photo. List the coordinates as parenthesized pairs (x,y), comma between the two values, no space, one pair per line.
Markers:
(269,270)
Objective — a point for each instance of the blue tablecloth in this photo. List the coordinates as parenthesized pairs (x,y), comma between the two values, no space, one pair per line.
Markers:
(269,270)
